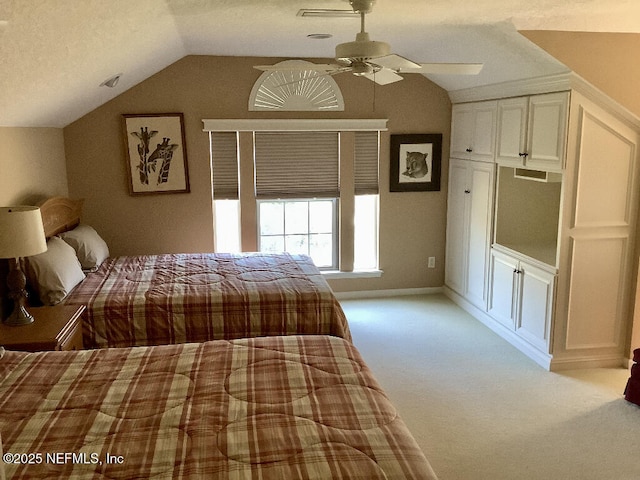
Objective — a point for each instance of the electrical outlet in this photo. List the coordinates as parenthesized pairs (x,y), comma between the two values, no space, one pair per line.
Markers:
(432,262)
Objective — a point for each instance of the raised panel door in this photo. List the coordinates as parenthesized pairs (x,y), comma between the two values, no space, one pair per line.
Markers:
(512,131)
(546,133)
(481,179)
(473,131)
(503,288)
(462,122)
(484,132)
(536,305)
(455,259)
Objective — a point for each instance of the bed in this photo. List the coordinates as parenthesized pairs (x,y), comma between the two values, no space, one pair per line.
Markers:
(286,407)
(176,298)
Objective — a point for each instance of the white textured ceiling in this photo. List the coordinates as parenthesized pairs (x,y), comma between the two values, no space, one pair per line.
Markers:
(55,53)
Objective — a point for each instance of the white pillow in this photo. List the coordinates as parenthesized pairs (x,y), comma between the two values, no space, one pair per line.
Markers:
(90,248)
(55,272)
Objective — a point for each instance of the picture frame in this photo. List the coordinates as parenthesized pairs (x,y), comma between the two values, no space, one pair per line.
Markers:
(415,162)
(156,153)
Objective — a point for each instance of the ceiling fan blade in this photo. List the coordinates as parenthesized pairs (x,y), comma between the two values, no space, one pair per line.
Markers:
(309,66)
(447,68)
(314,75)
(383,77)
(395,62)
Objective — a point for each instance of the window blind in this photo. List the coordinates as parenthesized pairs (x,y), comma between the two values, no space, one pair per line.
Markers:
(296,164)
(224,159)
(366,163)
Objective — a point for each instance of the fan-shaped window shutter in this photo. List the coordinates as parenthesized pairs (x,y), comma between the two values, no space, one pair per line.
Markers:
(296,164)
(366,163)
(224,155)
(295,90)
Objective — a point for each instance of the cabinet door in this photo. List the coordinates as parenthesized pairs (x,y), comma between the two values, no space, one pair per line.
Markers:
(473,131)
(546,134)
(483,138)
(455,259)
(480,198)
(503,288)
(512,130)
(462,120)
(535,305)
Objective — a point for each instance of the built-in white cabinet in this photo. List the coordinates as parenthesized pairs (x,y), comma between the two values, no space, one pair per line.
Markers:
(473,131)
(597,236)
(531,131)
(469,216)
(563,203)
(521,298)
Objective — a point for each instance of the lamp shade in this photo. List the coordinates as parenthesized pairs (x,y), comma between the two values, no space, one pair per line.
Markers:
(21,232)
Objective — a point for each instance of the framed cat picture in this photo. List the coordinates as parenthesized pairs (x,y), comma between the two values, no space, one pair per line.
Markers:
(416,161)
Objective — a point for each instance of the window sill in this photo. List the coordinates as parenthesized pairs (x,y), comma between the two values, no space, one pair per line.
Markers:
(334,274)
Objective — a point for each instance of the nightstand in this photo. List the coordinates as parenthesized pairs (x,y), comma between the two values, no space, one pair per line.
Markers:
(54,328)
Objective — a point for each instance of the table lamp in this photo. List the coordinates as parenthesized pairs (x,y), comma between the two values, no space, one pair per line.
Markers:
(21,235)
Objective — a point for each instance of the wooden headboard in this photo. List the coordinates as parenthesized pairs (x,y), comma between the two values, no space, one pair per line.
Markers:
(60,214)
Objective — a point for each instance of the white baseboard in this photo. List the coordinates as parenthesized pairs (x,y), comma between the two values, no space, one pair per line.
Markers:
(545,360)
(395,292)
(541,358)
(574,363)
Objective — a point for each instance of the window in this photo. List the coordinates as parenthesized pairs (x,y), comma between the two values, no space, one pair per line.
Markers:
(289,179)
(295,166)
(365,234)
(224,160)
(300,226)
(227,226)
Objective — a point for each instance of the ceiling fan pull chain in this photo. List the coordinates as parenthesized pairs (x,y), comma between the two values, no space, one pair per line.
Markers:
(374,91)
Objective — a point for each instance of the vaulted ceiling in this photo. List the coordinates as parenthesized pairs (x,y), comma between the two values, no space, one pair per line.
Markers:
(54,54)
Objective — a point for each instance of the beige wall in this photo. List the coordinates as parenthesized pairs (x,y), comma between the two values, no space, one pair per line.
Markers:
(32,165)
(609,61)
(412,225)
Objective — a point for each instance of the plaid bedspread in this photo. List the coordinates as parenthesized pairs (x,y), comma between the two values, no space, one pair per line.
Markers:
(167,299)
(290,407)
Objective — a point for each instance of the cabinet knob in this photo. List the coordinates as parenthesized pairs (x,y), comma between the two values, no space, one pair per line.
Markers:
(467,191)
(523,154)
(469,150)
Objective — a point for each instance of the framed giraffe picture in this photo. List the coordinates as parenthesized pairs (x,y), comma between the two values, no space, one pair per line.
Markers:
(156,153)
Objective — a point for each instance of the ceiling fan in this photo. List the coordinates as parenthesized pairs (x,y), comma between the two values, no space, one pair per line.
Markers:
(373,60)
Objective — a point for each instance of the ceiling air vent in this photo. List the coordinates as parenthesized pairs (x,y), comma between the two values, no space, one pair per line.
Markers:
(326,13)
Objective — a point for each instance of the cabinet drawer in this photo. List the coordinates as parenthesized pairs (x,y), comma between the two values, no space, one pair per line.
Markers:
(70,338)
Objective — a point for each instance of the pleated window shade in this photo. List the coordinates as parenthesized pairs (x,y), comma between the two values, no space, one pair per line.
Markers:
(296,165)
(366,163)
(224,154)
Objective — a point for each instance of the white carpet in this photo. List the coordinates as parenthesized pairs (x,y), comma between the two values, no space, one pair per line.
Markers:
(482,410)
